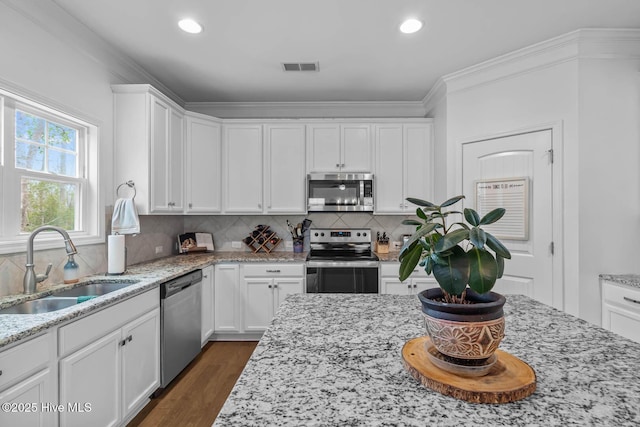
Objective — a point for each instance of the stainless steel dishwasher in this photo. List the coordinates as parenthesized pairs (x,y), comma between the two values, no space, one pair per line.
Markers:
(180,324)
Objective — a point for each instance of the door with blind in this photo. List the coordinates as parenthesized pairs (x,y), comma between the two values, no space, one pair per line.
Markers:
(515,172)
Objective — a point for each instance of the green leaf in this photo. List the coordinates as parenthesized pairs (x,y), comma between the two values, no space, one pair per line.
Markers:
(500,262)
(483,270)
(411,222)
(472,217)
(420,213)
(451,201)
(409,262)
(492,216)
(428,228)
(453,276)
(451,239)
(497,246)
(462,224)
(421,202)
(478,237)
(437,259)
(428,266)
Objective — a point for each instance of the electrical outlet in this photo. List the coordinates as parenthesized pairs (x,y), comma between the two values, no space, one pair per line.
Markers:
(288,244)
(158,249)
(236,245)
(397,245)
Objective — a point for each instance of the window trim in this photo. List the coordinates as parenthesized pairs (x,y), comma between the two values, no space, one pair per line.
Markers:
(91,200)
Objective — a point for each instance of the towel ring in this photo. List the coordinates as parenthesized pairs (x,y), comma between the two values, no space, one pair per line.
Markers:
(129,184)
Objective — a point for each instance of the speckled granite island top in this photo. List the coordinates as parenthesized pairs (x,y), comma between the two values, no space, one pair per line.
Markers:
(632,280)
(16,327)
(335,360)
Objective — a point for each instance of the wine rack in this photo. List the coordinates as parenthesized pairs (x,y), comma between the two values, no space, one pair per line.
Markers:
(262,239)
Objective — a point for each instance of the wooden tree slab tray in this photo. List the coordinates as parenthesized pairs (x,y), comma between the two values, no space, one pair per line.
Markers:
(508,380)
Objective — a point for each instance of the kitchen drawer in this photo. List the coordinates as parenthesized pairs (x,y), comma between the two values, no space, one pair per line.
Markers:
(94,326)
(25,358)
(621,296)
(391,269)
(273,270)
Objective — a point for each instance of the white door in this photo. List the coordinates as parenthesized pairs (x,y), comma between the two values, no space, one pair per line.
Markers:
(258,304)
(204,159)
(140,360)
(159,155)
(530,270)
(284,287)
(356,148)
(243,168)
(207,304)
(389,169)
(175,151)
(226,298)
(92,375)
(323,148)
(285,177)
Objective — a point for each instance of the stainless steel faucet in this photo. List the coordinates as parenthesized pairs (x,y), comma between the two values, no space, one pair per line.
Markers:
(30,277)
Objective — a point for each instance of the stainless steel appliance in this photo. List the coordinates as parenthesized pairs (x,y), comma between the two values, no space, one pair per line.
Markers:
(340,192)
(180,324)
(341,261)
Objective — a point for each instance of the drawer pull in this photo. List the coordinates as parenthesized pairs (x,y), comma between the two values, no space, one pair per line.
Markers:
(632,300)
(273,271)
(0,373)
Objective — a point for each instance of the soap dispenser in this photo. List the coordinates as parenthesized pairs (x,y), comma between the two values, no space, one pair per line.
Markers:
(71,271)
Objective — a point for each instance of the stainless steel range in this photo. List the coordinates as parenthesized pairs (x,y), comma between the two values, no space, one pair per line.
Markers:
(341,261)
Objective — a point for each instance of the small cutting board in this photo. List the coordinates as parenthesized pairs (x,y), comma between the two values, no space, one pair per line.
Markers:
(509,379)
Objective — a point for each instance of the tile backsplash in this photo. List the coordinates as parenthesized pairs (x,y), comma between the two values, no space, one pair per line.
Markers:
(160,232)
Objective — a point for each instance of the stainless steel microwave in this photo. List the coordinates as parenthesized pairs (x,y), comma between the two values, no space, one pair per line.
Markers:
(343,192)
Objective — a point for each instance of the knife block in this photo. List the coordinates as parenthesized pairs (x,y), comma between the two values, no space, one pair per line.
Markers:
(382,247)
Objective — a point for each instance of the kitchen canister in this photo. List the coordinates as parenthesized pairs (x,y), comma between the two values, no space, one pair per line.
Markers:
(115,254)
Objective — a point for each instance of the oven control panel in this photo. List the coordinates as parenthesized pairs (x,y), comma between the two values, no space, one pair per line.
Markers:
(332,235)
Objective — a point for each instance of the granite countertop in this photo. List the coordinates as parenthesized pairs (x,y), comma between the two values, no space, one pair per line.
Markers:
(336,360)
(15,327)
(392,256)
(632,280)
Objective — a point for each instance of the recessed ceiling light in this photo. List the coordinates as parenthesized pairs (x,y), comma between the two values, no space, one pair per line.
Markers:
(190,26)
(410,26)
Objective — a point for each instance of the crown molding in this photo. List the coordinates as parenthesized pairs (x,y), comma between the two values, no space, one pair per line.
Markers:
(282,110)
(589,43)
(56,21)
(435,96)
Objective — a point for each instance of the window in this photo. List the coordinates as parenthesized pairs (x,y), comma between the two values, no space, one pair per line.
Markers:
(48,173)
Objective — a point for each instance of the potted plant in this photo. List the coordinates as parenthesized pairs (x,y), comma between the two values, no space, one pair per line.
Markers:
(463,317)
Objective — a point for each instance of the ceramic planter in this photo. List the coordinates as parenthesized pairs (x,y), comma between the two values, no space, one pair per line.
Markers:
(464,331)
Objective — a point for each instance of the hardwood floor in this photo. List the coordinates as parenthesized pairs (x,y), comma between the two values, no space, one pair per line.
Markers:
(196,396)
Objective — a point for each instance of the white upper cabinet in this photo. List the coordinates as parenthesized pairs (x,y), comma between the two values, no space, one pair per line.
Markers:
(242,168)
(336,147)
(149,147)
(203,189)
(404,166)
(285,178)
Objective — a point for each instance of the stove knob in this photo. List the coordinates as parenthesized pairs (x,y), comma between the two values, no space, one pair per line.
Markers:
(364,234)
(358,234)
(322,234)
(316,234)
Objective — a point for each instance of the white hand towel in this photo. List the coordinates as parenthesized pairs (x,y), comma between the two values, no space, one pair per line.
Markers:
(125,217)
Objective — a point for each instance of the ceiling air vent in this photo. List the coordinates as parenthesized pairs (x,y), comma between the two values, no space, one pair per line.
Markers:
(301,66)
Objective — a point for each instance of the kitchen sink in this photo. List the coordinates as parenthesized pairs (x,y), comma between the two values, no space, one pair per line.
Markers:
(42,305)
(96,288)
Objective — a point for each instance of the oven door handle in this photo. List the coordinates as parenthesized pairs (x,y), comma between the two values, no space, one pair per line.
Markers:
(342,264)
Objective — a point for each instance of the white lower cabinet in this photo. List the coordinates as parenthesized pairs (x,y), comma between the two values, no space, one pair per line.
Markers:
(226,297)
(621,310)
(110,362)
(207,304)
(247,296)
(416,283)
(265,286)
(28,383)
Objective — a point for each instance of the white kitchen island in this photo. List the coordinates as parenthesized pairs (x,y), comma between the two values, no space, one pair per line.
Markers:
(334,360)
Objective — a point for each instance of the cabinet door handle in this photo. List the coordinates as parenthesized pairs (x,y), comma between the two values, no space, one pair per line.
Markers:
(269,286)
(190,205)
(409,286)
(130,338)
(337,165)
(259,205)
(273,271)
(342,165)
(275,286)
(415,286)
(0,373)
(635,301)
(123,342)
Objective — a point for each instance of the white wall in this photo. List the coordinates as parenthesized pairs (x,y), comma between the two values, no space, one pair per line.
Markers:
(595,102)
